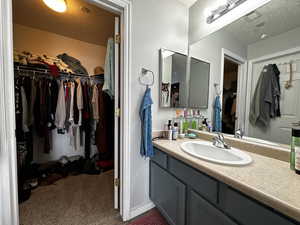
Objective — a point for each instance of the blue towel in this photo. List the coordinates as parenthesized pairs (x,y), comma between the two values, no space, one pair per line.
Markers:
(146,119)
(217,115)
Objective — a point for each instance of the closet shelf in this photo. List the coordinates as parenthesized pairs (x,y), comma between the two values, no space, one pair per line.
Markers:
(40,72)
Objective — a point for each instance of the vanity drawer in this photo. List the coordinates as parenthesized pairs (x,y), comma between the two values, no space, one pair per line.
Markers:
(248,211)
(203,184)
(160,158)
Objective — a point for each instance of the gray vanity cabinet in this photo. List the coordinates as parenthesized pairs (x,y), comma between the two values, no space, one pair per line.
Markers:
(248,211)
(169,195)
(201,212)
(186,196)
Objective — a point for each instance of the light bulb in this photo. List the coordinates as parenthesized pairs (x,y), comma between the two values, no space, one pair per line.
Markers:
(56,5)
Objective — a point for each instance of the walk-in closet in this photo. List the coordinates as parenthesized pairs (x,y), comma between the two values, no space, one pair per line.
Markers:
(65,100)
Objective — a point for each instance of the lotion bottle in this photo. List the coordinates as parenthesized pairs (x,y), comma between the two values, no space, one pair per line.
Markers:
(295,151)
(170,130)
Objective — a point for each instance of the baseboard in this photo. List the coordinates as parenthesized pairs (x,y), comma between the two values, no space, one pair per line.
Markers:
(137,211)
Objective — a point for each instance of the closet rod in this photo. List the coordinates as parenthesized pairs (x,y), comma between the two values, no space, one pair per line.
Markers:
(24,70)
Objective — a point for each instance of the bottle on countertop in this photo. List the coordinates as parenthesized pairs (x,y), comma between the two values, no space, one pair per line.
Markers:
(175,131)
(295,151)
(170,130)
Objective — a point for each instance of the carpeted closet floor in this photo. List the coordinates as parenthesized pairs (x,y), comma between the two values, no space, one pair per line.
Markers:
(75,200)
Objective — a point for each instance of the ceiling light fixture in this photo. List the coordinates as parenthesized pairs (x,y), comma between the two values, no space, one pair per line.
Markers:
(263,36)
(223,9)
(56,5)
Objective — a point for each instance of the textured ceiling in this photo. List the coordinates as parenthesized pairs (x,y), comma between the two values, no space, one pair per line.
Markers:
(278,16)
(94,27)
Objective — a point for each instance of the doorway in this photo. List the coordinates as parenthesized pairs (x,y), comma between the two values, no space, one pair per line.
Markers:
(233,91)
(9,195)
(229,96)
(64,107)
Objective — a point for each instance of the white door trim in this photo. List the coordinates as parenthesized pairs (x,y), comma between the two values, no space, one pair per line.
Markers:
(249,77)
(8,159)
(242,84)
(9,209)
(116,116)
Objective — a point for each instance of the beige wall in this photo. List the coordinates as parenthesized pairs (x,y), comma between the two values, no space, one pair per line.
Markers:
(43,42)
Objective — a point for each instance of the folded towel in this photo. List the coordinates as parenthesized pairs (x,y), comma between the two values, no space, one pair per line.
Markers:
(146,119)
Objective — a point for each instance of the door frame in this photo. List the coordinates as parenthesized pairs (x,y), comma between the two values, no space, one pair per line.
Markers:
(9,208)
(249,77)
(241,87)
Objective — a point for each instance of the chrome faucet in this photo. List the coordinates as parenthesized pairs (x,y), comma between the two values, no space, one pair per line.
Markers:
(219,141)
(239,134)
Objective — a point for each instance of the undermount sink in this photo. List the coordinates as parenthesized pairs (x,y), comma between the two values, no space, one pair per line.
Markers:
(207,151)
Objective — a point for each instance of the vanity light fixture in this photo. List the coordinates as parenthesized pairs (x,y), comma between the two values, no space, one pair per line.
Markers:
(223,9)
(56,5)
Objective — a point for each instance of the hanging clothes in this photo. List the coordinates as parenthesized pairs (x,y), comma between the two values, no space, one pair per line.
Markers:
(32,101)
(95,103)
(18,111)
(68,104)
(70,107)
(266,100)
(60,115)
(217,125)
(24,111)
(79,101)
(109,69)
(146,121)
(105,128)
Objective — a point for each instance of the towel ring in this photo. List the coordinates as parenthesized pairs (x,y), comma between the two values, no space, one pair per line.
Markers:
(217,88)
(144,72)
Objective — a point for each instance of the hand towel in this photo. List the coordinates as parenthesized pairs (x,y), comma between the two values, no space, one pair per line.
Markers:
(146,120)
(217,126)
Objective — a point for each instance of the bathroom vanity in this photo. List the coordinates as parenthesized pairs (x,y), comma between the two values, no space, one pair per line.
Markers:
(191,191)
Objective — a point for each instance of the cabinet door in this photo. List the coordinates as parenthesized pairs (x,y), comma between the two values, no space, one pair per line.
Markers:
(168,194)
(247,211)
(200,212)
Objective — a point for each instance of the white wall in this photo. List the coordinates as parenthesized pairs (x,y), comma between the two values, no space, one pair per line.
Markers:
(155,24)
(42,42)
(210,49)
(274,44)
(199,28)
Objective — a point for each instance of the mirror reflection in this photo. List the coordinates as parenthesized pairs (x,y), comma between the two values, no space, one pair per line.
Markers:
(198,83)
(255,64)
(173,85)
(182,88)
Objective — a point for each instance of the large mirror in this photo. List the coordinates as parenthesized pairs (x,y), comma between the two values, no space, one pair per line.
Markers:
(255,70)
(181,87)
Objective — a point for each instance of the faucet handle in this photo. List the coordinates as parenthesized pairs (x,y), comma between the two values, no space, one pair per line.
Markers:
(220,136)
(239,133)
